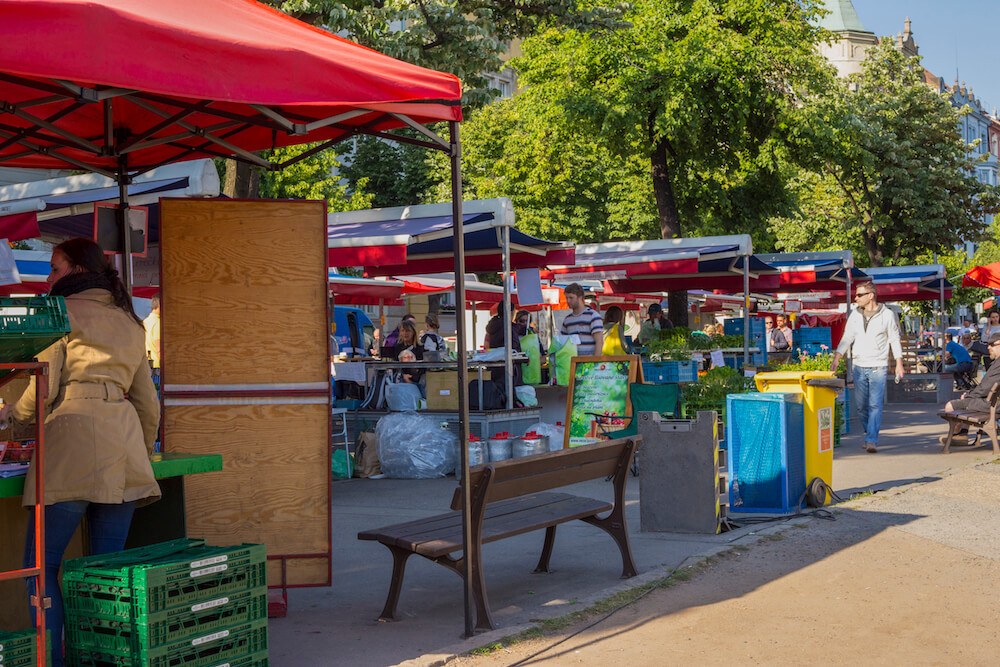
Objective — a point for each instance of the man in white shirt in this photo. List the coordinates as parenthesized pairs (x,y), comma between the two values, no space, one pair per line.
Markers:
(871,331)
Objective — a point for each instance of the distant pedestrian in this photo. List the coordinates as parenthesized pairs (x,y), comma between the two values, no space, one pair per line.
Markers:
(871,331)
(582,321)
(781,324)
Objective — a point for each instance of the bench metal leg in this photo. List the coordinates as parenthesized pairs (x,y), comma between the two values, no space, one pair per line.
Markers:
(614,526)
(953,429)
(550,540)
(399,558)
(484,619)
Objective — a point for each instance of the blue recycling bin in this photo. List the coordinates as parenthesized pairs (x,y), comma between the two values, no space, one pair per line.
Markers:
(765,438)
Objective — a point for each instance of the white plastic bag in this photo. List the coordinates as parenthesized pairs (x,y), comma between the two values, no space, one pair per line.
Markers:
(554,433)
(526,394)
(412,446)
(403,396)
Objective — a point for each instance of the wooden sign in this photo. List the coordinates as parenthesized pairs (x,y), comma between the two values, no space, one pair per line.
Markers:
(599,398)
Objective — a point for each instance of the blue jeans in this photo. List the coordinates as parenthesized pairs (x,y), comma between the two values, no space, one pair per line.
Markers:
(869,395)
(108,527)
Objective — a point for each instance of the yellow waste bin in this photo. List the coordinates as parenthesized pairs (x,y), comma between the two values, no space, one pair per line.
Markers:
(819,392)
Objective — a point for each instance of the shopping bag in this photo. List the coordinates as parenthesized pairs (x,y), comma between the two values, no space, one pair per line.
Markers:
(613,345)
(366,455)
(532,373)
(565,350)
(342,465)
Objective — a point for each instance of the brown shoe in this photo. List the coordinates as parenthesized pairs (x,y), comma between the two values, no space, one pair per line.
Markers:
(870,447)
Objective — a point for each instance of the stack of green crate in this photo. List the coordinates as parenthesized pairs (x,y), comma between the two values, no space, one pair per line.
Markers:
(20,649)
(175,603)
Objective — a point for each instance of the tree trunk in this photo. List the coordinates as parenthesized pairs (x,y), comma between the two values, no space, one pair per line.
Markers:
(242,181)
(875,256)
(670,220)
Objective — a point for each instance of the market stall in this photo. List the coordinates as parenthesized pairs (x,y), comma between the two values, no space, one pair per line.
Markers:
(65,108)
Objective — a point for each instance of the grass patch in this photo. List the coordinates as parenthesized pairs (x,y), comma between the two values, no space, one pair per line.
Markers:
(862,494)
(606,606)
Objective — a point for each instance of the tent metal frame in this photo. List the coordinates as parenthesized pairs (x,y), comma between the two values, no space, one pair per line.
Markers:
(44,136)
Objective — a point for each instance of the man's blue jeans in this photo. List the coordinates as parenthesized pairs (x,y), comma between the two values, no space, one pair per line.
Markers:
(869,395)
(108,527)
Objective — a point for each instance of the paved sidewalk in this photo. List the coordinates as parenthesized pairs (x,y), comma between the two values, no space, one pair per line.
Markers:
(337,626)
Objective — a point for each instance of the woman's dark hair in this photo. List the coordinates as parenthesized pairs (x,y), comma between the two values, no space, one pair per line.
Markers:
(613,315)
(86,255)
(521,313)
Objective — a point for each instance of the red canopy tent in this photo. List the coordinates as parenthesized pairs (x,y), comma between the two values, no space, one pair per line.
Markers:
(987,276)
(122,86)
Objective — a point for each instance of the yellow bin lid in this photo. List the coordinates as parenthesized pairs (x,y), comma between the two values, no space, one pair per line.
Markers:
(792,380)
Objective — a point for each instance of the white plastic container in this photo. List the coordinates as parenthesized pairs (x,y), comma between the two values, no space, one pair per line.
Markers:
(530,444)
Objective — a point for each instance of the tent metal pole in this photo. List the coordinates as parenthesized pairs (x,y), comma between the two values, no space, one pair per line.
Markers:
(941,306)
(746,310)
(122,215)
(508,361)
(455,146)
(474,342)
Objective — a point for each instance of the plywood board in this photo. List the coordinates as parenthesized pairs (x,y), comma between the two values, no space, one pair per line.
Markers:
(244,288)
(275,481)
(244,318)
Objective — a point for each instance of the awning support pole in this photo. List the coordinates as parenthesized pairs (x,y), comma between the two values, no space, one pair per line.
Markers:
(455,148)
(508,361)
(746,310)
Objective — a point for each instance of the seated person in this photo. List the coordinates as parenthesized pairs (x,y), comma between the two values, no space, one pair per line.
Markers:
(961,362)
(408,349)
(388,349)
(431,341)
(975,399)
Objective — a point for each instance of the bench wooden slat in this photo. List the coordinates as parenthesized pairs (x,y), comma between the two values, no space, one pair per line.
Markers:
(531,474)
(503,519)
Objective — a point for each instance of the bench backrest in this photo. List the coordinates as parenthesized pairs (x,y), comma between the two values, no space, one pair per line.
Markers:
(533,474)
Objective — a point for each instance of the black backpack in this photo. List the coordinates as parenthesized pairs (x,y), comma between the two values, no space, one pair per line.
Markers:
(494,396)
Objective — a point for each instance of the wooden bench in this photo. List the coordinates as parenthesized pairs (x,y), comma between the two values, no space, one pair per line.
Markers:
(510,498)
(986,422)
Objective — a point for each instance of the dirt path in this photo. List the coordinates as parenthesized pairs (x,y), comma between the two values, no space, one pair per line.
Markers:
(868,588)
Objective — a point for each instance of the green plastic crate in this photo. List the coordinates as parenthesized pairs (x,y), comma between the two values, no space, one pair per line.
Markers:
(210,650)
(29,325)
(112,585)
(17,649)
(168,627)
(87,597)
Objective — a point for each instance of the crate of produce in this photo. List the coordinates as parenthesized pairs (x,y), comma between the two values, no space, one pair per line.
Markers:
(161,577)
(227,645)
(28,325)
(149,631)
(735,359)
(667,372)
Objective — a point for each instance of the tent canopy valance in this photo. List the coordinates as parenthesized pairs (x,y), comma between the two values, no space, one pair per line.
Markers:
(86,84)
(813,271)
(61,208)
(33,269)
(664,265)
(419,239)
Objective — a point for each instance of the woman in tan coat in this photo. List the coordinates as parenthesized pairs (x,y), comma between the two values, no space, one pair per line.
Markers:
(101,422)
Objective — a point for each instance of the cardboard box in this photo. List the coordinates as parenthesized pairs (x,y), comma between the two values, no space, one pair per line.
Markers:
(442,390)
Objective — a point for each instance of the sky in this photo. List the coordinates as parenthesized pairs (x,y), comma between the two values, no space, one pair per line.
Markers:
(950,33)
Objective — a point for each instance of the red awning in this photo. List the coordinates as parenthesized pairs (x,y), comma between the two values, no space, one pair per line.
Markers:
(181,79)
(983,276)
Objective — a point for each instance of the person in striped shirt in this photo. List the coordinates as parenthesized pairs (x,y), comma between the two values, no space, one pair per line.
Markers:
(582,321)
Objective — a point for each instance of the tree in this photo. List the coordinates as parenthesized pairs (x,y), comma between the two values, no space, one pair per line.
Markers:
(700,91)
(396,174)
(313,178)
(896,174)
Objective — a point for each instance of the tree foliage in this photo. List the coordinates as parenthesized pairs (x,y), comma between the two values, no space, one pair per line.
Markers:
(465,37)
(313,178)
(893,176)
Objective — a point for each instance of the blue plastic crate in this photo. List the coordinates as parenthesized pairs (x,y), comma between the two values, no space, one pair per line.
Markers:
(668,372)
(733,326)
(734,360)
(765,436)
(807,335)
(812,349)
